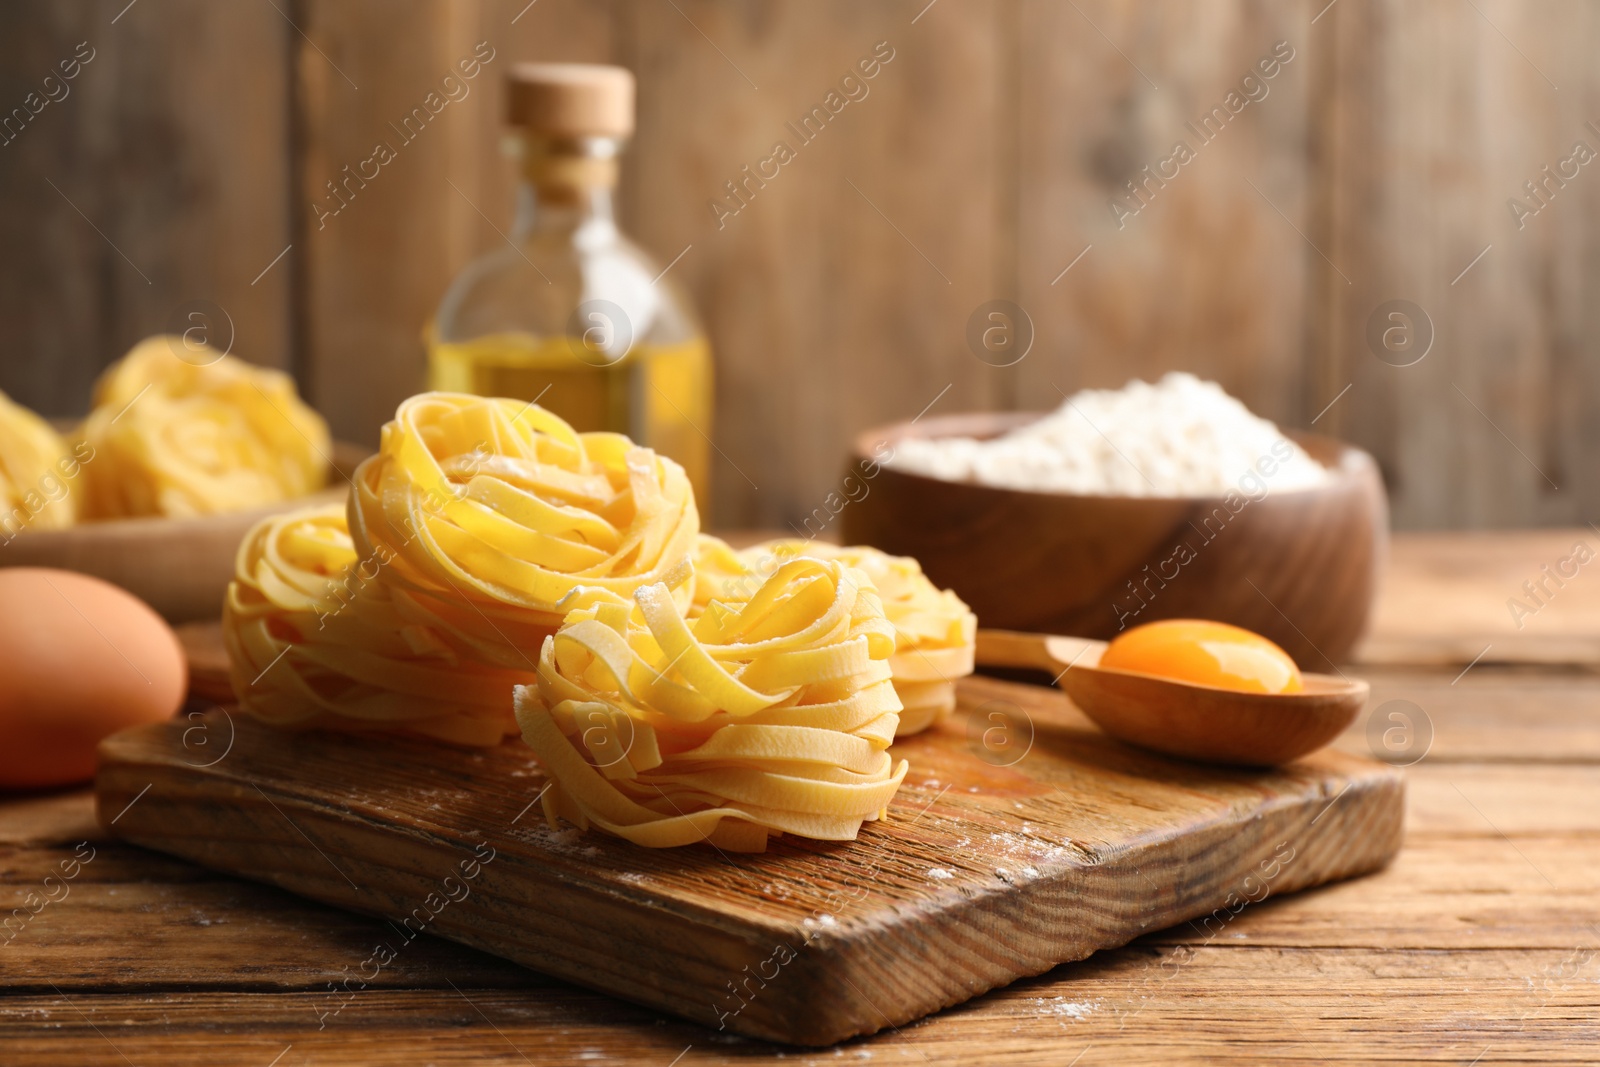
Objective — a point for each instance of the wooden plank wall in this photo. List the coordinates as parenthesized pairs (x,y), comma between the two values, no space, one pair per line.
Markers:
(1374,165)
(1437,115)
(157,179)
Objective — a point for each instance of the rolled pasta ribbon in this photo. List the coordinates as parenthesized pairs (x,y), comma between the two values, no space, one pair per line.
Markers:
(935,631)
(722,573)
(765,716)
(314,639)
(198,435)
(34,465)
(500,519)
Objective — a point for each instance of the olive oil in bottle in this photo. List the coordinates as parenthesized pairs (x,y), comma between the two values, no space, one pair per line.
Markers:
(568,311)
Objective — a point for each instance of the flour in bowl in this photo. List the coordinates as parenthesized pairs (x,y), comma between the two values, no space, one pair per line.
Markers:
(1179,437)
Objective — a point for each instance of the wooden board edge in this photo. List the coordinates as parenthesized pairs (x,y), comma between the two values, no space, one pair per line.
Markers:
(833,996)
(277,839)
(786,983)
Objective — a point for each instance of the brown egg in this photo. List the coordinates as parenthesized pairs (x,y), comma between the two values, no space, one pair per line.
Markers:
(79,659)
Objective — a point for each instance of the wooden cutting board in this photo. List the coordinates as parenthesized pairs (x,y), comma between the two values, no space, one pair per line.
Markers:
(1004,854)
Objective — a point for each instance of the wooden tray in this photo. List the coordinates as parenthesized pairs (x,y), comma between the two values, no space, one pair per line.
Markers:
(180,567)
(984,872)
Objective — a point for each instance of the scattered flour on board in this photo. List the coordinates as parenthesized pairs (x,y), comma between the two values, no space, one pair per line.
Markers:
(940,874)
(1179,437)
(1064,1008)
(1028,846)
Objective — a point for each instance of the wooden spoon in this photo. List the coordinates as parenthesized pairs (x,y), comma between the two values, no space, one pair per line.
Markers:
(1185,719)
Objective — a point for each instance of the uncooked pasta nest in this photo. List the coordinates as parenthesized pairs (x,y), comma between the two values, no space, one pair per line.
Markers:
(198,435)
(721,573)
(935,631)
(768,715)
(682,692)
(314,640)
(34,465)
(499,519)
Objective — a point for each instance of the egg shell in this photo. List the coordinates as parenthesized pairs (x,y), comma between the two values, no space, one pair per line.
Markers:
(80,659)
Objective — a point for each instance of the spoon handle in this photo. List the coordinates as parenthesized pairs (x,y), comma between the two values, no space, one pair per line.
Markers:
(1045,652)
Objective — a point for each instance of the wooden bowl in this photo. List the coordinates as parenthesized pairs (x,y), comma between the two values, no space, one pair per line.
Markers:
(1300,567)
(180,567)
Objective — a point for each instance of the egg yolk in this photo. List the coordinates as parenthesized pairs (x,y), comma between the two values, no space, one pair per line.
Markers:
(1208,653)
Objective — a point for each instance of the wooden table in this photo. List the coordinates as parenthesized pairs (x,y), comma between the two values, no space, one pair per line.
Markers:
(1479,945)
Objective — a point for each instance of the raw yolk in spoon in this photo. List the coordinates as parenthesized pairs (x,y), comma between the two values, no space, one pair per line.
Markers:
(1207,653)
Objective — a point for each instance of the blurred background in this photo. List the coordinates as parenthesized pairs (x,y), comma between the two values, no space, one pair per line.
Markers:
(1426,152)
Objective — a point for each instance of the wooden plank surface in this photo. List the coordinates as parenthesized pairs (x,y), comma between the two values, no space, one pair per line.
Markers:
(375,271)
(1519,714)
(199,924)
(1378,166)
(1166,999)
(169,154)
(810,241)
(1459,949)
(1432,118)
(1525,597)
(1148,1004)
(861,264)
(1187,265)
(982,874)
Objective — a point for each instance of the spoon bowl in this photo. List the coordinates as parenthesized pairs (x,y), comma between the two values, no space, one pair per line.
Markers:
(1185,719)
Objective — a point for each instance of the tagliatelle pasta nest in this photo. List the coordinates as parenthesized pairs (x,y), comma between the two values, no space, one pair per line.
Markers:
(198,434)
(768,715)
(314,639)
(721,573)
(682,692)
(33,460)
(935,632)
(500,518)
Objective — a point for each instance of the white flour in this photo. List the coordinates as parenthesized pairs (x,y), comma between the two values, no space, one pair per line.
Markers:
(1179,437)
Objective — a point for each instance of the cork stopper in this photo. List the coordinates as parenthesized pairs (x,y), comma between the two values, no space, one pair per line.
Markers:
(571,99)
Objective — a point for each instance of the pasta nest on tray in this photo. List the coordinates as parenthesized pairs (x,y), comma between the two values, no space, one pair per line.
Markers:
(497,518)
(31,489)
(198,434)
(315,639)
(768,715)
(935,631)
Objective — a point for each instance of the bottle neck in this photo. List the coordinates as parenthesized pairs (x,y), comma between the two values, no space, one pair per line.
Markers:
(566,184)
